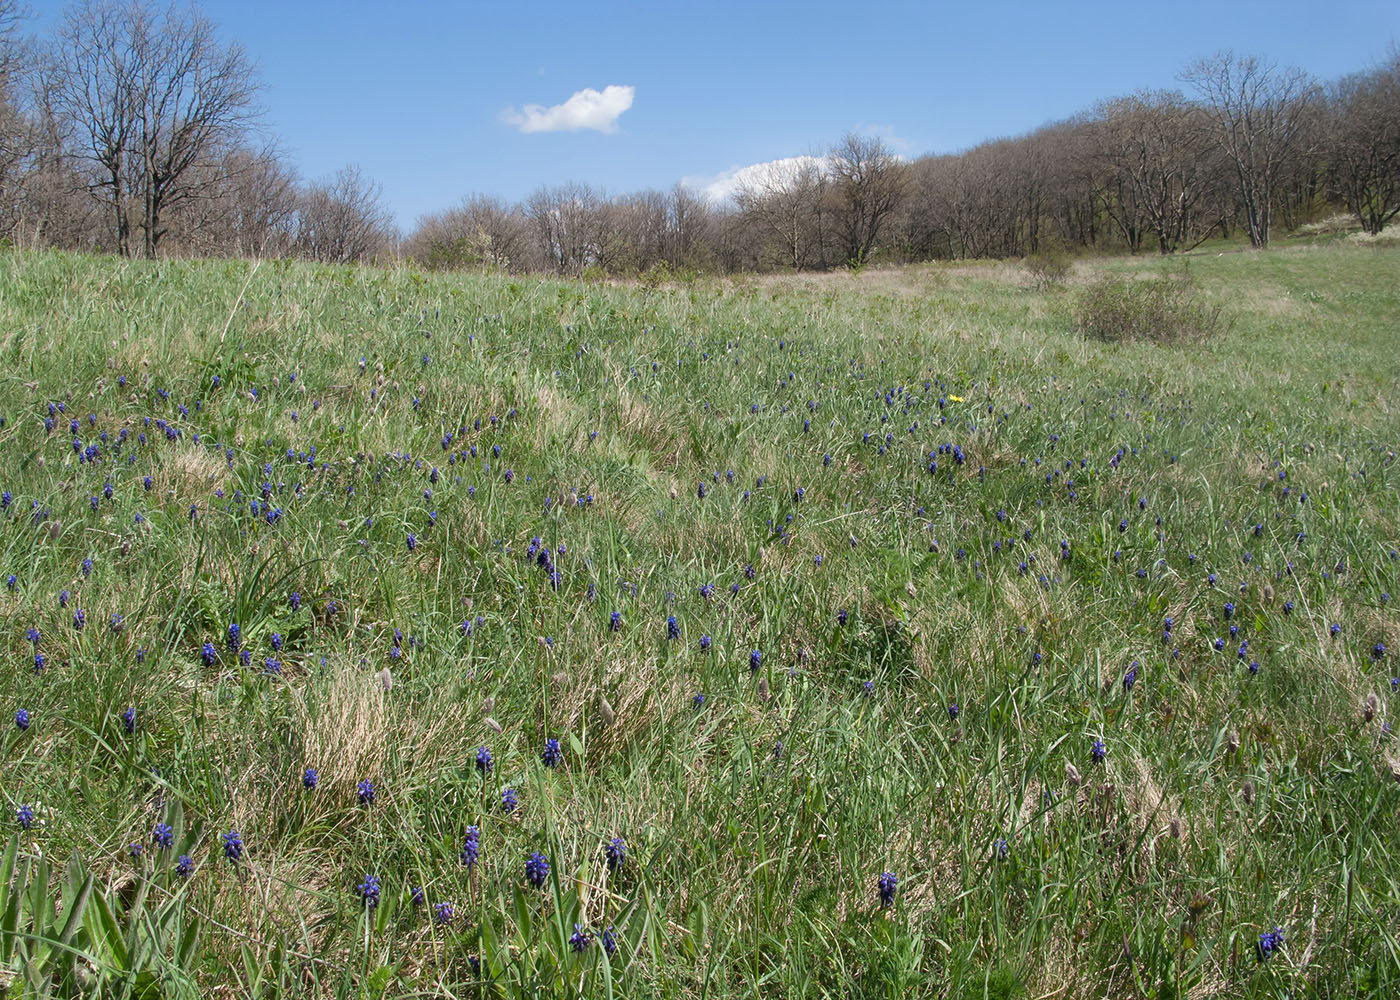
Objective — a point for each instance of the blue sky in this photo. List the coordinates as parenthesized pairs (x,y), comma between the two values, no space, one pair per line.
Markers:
(420,94)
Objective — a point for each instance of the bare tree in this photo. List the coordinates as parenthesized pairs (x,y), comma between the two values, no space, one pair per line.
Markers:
(1153,155)
(1364,144)
(16,132)
(482,232)
(869,183)
(247,207)
(343,220)
(786,202)
(148,95)
(1257,112)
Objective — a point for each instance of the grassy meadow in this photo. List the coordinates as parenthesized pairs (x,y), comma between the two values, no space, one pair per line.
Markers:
(893,638)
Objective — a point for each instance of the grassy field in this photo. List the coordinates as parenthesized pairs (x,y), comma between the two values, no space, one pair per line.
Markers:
(896,639)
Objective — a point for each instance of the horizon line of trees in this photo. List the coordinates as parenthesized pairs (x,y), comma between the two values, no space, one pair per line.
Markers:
(133,129)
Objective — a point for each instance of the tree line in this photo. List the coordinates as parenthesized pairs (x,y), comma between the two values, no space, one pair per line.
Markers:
(134,129)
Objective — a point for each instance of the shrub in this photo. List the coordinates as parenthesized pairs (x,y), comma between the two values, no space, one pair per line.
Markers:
(1048,268)
(1164,310)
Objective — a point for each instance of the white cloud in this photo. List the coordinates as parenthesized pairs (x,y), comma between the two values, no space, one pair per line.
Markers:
(720,188)
(588,108)
(896,143)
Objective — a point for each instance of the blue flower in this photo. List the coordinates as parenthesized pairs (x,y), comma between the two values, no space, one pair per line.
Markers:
(954,711)
(579,940)
(129,720)
(509,801)
(368,891)
(209,654)
(755,660)
(234,636)
(705,644)
(615,621)
(552,755)
(442,913)
(24,816)
(471,846)
(616,852)
(887,885)
(310,779)
(162,836)
(1098,750)
(184,867)
(536,869)
(673,627)
(233,847)
(364,791)
(698,702)
(22,719)
(1268,943)
(609,941)
(483,759)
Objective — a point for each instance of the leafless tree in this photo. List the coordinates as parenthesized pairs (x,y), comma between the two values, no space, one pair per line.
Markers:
(16,131)
(1257,112)
(343,220)
(482,232)
(247,207)
(1363,143)
(148,94)
(1159,164)
(869,184)
(787,204)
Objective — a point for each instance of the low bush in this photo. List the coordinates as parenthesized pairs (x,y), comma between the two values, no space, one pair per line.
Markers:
(1048,268)
(1164,310)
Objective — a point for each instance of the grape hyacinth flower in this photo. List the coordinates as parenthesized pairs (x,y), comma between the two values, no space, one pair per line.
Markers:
(233,847)
(953,712)
(552,756)
(184,867)
(471,846)
(579,939)
(1098,750)
(609,941)
(887,886)
(442,913)
(1268,943)
(673,628)
(755,660)
(162,836)
(536,869)
(368,891)
(209,654)
(310,779)
(483,759)
(509,801)
(22,719)
(24,816)
(616,852)
(364,791)
(129,720)
(698,702)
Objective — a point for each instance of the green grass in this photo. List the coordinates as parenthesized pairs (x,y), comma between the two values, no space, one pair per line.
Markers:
(1228,803)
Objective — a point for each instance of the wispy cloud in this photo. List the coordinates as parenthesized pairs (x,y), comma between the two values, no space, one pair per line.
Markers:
(886,133)
(720,188)
(586,109)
